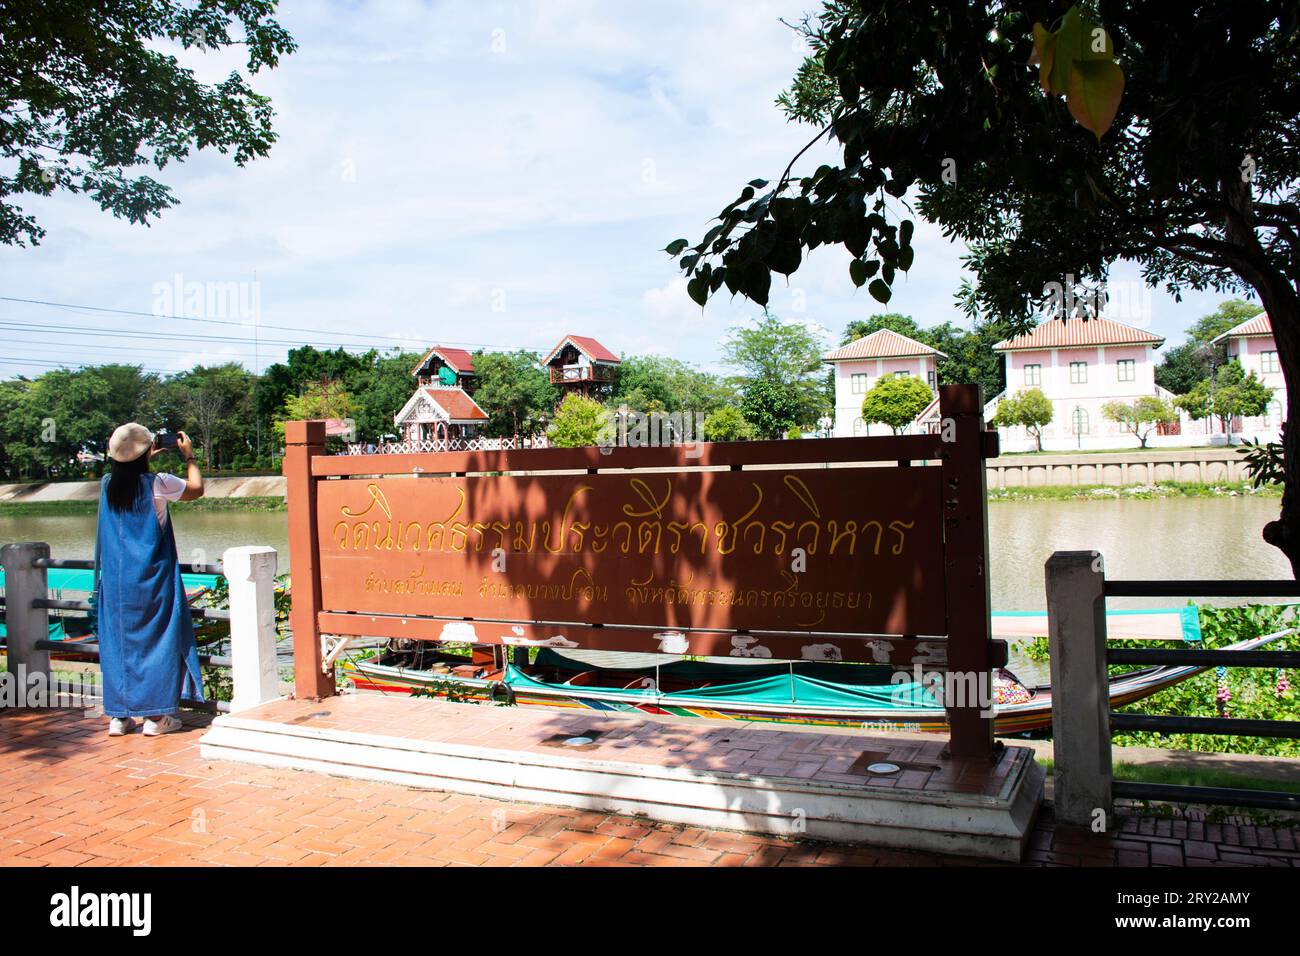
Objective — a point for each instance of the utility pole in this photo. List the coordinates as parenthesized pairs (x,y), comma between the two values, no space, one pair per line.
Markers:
(257,371)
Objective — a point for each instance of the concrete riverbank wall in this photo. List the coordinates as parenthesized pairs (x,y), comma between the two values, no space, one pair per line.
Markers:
(1119,468)
(260,486)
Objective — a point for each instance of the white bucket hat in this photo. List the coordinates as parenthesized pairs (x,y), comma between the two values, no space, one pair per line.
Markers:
(129,442)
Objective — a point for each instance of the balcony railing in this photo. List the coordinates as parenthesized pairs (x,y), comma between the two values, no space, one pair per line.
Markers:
(569,374)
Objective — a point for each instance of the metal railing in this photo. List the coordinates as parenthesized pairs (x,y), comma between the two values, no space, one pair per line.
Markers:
(90,649)
(569,374)
(1083,721)
(85,564)
(1216,726)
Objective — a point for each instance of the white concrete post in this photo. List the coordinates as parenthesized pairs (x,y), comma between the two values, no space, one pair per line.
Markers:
(250,572)
(1076,624)
(26,624)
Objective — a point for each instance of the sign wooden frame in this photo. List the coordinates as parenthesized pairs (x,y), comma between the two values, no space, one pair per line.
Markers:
(853,549)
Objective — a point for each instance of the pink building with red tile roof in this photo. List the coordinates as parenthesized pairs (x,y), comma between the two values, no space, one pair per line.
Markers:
(1251,343)
(1079,365)
(865,361)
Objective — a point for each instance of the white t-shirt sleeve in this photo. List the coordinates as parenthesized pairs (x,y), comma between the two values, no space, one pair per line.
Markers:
(168,487)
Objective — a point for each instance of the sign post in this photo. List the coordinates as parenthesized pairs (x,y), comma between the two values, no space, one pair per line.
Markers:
(303,441)
(966,568)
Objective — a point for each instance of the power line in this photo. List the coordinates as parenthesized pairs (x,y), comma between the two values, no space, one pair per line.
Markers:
(22,325)
(116,348)
(72,366)
(187,318)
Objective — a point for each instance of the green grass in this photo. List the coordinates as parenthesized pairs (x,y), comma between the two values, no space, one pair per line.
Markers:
(1163,489)
(1131,449)
(40,509)
(1187,776)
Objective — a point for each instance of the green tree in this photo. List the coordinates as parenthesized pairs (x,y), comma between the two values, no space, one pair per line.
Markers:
(65,411)
(89,98)
(894,321)
(328,400)
(13,394)
(656,383)
(896,401)
(514,390)
(381,388)
(727,424)
(1141,416)
(304,366)
(1191,174)
(769,407)
(579,422)
(1229,394)
(968,356)
(787,357)
(214,406)
(1029,409)
(1186,364)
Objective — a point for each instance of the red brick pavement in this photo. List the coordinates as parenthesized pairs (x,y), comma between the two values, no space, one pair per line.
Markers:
(71,795)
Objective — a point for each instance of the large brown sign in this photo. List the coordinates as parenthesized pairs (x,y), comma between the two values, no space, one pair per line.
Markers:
(857,550)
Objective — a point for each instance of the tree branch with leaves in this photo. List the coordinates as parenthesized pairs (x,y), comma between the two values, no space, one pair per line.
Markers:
(938,110)
(90,94)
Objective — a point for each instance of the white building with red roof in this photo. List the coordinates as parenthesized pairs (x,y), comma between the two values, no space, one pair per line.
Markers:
(445,366)
(865,361)
(442,406)
(436,413)
(1081,364)
(1251,343)
(581,364)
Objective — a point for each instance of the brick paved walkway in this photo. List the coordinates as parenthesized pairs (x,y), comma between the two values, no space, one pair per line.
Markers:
(71,795)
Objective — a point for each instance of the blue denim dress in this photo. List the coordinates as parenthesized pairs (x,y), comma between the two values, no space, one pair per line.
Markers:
(146,635)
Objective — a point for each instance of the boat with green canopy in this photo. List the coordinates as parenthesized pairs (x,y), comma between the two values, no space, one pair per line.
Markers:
(802,692)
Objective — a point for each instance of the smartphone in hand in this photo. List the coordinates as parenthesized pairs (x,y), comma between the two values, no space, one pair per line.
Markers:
(165,441)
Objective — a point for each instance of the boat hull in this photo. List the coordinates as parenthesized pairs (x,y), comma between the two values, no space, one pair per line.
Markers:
(1021,716)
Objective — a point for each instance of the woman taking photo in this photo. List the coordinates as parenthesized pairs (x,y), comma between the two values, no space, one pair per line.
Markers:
(146,637)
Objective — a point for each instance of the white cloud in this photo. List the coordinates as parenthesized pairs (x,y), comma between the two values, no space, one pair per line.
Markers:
(486,173)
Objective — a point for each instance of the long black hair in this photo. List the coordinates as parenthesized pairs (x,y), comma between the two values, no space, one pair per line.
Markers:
(124,482)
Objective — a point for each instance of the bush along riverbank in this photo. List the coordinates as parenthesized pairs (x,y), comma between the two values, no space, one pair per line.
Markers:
(43,509)
(1164,489)
(1245,692)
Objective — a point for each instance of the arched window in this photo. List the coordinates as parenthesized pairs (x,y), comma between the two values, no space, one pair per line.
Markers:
(859,428)
(1080,421)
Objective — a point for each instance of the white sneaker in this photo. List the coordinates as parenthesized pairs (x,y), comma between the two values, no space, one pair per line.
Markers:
(121,726)
(163,725)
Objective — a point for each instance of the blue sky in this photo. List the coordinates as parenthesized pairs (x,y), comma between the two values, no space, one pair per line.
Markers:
(480,174)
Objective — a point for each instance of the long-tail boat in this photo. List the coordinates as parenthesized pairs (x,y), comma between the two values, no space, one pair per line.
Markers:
(807,692)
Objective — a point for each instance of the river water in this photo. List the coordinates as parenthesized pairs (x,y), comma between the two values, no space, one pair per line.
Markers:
(1162,538)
